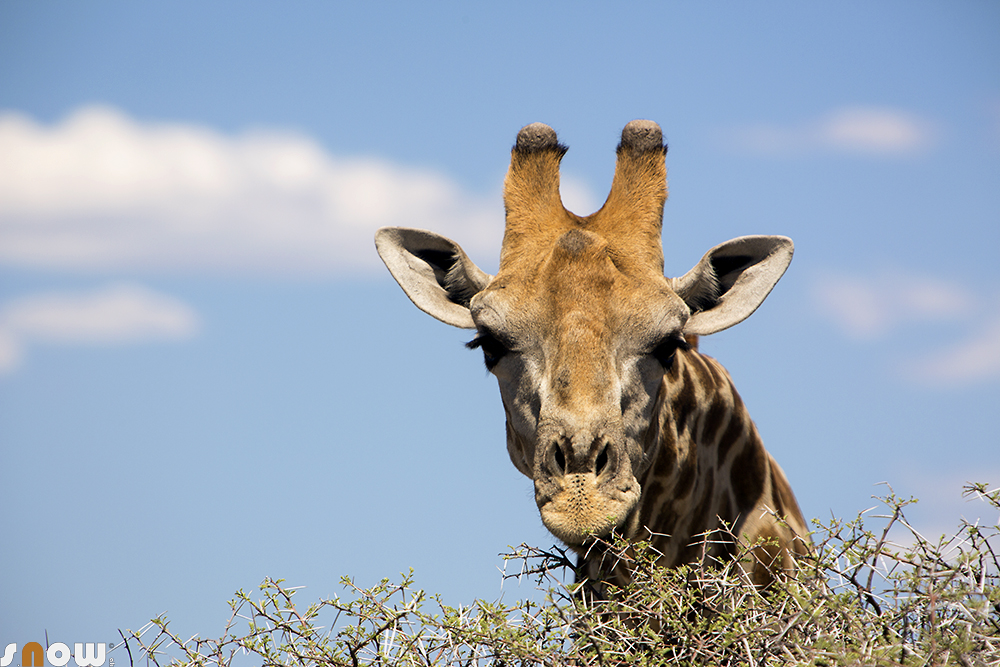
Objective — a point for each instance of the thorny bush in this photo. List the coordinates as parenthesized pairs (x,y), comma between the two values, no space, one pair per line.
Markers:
(888,596)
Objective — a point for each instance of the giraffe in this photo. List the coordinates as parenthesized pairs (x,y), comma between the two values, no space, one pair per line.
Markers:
(610,409)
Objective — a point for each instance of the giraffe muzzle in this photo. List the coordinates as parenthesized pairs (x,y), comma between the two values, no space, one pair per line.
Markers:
(584,491)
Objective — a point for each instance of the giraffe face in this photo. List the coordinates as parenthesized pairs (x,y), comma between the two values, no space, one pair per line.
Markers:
(579,347)
(579,325)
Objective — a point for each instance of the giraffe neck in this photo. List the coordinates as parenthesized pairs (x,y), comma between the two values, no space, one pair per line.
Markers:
(709,482)
(709,465)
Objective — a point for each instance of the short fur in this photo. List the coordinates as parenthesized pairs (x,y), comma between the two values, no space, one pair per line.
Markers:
(620,424)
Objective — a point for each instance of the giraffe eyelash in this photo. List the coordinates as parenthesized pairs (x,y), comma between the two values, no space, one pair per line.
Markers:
(664,352)
(493,350)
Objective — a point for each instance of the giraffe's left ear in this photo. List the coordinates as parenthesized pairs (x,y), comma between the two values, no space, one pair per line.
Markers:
(434,271)
(731,280)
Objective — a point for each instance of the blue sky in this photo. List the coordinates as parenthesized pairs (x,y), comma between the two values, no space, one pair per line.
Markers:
(207,377)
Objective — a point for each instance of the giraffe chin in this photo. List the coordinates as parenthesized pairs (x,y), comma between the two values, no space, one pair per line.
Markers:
(581,510)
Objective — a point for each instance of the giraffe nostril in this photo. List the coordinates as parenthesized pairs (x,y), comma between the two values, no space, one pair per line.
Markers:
(560,461)
(602,460)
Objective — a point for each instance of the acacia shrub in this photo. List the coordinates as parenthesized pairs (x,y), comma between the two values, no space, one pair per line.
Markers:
(882,595)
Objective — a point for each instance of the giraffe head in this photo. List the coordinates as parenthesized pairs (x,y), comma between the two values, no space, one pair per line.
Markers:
(580,326)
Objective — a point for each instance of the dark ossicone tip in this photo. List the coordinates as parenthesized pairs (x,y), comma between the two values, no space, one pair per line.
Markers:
(536,137)
(642,135)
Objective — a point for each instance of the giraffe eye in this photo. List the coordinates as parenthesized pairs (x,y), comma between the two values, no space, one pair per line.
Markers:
(493,350)
(665,351)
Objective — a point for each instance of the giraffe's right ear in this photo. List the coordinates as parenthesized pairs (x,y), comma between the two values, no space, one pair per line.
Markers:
(434,271)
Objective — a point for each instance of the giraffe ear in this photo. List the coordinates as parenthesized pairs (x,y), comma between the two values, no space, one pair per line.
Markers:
(732,280)
(434,271)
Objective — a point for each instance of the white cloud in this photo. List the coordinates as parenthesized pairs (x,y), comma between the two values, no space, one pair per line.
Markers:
(10,352)
(872,131)
(102,191)
(878,306)
(116,314)
(943,502)
(974,359)
(576,196)
(873,306)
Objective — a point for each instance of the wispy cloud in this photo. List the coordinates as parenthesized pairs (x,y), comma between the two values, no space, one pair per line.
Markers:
(858,130)
(943,502)
(100,190)
(869,307)
(577,196)
(117,314)
(974,358)
(877,306)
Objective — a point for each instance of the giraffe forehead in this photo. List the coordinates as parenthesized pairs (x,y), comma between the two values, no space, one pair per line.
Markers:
(576,242)
(580,285)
